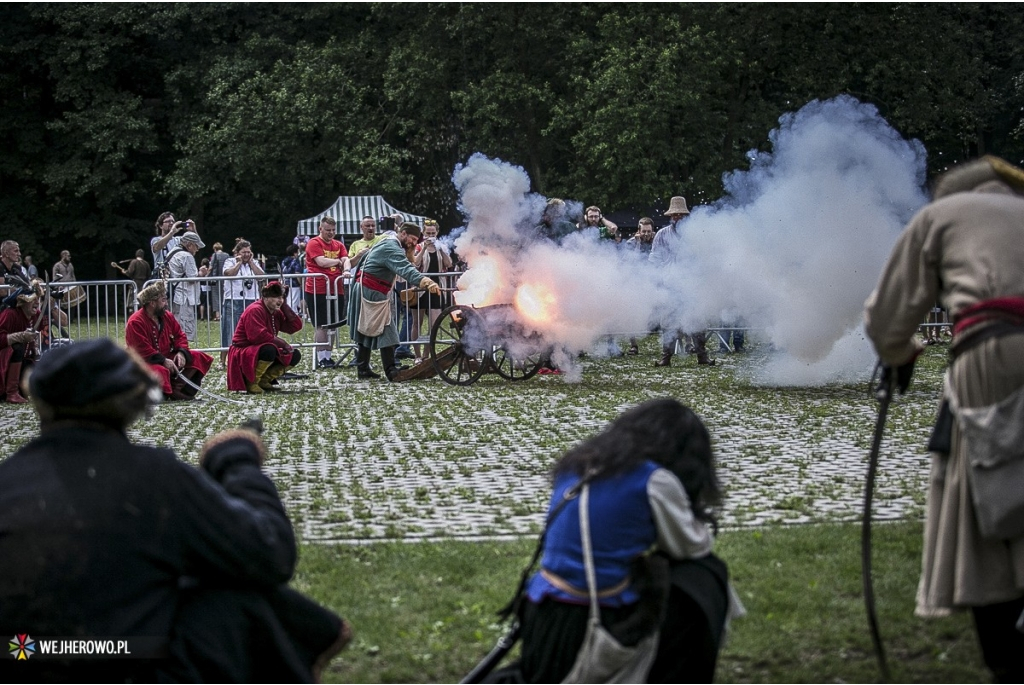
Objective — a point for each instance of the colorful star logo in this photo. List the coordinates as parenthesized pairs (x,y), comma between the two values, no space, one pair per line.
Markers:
(22,647)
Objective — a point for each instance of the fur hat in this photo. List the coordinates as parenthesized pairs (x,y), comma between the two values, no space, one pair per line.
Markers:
(95,379)
(151,293)
(27,297)
(677,206)
(970,175)
(272,289)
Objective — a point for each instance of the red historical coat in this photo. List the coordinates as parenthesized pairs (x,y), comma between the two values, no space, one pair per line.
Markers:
(11,321)
(155,344)
(257,327)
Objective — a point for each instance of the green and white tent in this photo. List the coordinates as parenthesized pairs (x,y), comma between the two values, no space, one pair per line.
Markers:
(349,210)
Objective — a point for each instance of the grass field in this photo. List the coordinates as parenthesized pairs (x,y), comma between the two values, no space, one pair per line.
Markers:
(417,504)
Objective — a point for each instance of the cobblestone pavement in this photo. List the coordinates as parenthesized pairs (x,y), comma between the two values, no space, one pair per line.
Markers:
(366,460)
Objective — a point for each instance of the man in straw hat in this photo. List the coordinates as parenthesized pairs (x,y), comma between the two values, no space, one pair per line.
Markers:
(373,282)
(966,250)
(101,537)
(258,355)
(155,334)
(19,333)
(666,250)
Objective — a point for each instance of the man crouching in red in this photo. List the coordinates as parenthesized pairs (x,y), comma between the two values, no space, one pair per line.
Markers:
(257,355)
(155,334)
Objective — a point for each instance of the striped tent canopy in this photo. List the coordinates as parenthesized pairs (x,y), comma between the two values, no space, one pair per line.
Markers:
(348,211)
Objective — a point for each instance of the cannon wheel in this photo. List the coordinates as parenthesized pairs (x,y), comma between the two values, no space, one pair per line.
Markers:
(516,369)
(446,350)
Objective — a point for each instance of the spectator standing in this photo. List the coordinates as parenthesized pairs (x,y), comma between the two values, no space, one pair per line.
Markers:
(138,271)
(640,245)
(432,257)
(370,238)
(965,249)
(204,290)
(64,270)
(291,265)
(666,250)
(592,218)
(181,263)
(239,292)
(166,239)
(30,267)
(217,260)
(155,335)
(554,223)
(325,298)
(12,273)
(133,541)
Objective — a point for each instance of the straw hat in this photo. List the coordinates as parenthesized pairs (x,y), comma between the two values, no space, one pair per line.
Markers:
(677,206)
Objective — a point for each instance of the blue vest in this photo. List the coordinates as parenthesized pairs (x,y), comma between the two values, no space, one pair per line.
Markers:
(621,528)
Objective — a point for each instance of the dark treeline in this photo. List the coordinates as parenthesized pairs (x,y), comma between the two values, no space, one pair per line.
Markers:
(248,117)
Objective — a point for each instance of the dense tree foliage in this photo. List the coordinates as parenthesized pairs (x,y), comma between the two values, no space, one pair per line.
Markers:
(248,117)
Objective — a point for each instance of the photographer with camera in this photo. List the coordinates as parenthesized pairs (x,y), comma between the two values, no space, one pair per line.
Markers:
(166,240)
(239,293)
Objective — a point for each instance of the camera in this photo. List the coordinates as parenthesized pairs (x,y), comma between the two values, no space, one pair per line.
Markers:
(386,223)
(247,283)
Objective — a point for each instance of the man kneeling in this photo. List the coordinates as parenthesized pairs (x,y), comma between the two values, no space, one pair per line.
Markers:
(103,538)
(155,334)
(258,356)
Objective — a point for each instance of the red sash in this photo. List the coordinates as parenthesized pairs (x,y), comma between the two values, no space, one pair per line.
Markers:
(372,282)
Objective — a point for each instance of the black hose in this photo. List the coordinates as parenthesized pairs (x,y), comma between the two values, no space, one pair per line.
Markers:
(883,394)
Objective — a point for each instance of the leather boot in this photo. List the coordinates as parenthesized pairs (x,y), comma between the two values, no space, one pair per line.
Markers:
(14,384)
(276,370)
(254,387)
(363,363)
(387,359)
(666,355)
(701,349)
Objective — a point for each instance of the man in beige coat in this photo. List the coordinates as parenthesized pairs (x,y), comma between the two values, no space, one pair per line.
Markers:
(966,250)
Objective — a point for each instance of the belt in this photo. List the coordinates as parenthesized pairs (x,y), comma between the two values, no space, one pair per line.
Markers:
(372,282)
(562,584)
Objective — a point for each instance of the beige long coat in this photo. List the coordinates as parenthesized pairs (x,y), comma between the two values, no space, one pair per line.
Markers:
(959,250)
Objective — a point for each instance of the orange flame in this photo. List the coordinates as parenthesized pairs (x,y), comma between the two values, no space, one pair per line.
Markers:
(535,302)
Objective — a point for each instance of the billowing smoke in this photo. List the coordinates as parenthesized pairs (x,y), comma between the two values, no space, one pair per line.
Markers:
(792,250)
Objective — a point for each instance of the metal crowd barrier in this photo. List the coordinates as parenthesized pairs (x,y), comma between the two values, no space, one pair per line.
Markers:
(83,310)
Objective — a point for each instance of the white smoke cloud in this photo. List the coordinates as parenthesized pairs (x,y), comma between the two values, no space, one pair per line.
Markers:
(792,250)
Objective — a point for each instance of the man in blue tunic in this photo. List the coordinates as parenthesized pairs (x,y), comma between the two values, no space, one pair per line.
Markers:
(373,280)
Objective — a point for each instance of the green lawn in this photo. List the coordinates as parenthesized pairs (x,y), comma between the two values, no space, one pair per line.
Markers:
(417,505)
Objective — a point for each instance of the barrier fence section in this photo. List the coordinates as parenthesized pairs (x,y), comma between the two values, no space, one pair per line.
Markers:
(83,310)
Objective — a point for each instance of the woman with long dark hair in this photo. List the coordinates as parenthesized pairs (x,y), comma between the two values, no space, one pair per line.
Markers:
(652,486)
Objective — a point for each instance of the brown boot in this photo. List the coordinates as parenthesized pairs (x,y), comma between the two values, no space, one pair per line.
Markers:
(14,384)
(666,355)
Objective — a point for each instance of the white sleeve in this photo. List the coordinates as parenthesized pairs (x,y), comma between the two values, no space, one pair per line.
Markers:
(680,534)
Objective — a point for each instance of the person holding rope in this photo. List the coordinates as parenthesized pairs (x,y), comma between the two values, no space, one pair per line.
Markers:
(156,336)
(966,250)
(258,355)
(378,268)
(101,537)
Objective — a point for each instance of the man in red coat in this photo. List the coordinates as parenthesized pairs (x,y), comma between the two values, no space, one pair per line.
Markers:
(18,341)
(155,334)
(258,355)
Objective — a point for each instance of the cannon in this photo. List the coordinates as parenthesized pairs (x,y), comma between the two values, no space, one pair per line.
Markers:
(466,342)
